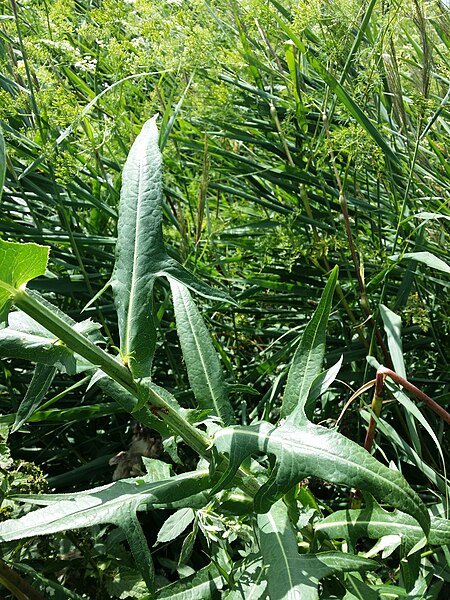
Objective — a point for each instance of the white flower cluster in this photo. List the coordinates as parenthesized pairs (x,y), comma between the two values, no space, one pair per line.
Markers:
(61,45)
(87,64)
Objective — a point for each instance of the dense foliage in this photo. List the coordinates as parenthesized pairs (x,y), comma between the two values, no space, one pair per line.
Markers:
(296,137)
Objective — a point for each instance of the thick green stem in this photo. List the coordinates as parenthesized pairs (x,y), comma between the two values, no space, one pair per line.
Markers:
(118,372)
(109,365)
(74,340)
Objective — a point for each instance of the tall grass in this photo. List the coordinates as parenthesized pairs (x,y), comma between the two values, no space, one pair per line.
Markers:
(297,136)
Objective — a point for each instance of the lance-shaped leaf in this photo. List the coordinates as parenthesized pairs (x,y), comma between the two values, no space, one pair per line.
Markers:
(426,258)
(291,575)
(18,264)
(203,365)
(175,525)
(323,381)
(42,379)
(2,163)
(312,450)
(374,522)
(308,359)
(250,577)
(278,543)
(140,249)
(24,338)
(203,584)
(141,256)
(114,503)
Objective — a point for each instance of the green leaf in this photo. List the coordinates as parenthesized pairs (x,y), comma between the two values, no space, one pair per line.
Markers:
(251,581)
(127,520)
(202,585)
(24,338)
(141,255)
(188,545)
(312,450)
(290,575)
(129,403)
(114,503)
(172,269)
(374,522)
(42,379)
(308,358)
(359,590)
(18,264)
(96,506)
(426,258)
(156,470)
(278,542)
(392,325)
(202,363)
(140,249)
(2,163)
(175,525)
(323,381)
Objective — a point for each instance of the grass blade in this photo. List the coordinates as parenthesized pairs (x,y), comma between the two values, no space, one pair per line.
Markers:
(308,358)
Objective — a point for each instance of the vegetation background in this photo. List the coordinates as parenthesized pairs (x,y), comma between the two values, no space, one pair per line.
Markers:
(296,136)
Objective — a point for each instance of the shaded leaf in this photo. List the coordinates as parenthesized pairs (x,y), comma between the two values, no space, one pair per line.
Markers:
(42,379)
(129,403)
(127,520)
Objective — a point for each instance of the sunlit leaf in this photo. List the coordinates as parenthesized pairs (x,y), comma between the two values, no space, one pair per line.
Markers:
(375,522)
(18,264)
(426,258)
(141,255)
(312,450)
(308,358)
(290,574)
(203,366)
(175,525)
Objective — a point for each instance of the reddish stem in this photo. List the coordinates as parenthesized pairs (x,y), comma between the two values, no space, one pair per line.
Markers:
(382,373)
